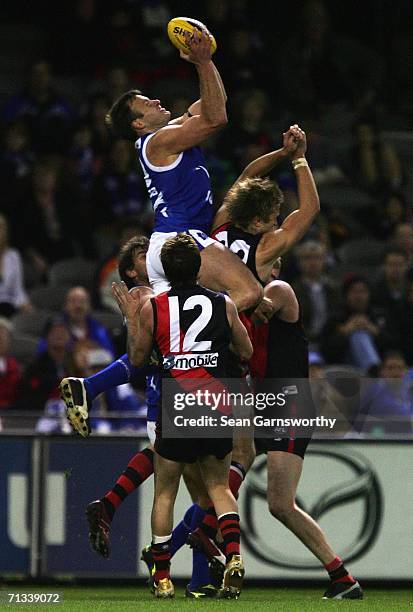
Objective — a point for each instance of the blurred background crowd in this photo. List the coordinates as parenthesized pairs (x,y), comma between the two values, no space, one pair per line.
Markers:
(70,196)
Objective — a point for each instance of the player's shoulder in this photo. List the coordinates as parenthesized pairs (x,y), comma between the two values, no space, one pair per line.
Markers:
(279,288)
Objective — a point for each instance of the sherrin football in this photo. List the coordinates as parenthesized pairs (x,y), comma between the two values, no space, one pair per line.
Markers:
(177,28)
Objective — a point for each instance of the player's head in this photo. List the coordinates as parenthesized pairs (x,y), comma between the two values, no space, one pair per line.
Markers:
(134,114)
(254,204)
(181,261)
(132,261)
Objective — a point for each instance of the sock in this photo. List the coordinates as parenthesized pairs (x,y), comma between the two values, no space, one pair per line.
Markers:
(200,567)
(161,555)
(117,373)
(236,477)
(209,524)
(183,529)
(338,572)
(231,533)
(140,467)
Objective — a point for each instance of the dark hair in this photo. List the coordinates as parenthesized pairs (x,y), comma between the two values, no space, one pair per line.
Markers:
(181,260)
(253,197)
(393,354)
(353,279)
(120,116)
(127,253)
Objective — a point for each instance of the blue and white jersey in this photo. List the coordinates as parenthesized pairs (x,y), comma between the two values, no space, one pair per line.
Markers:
(180,193)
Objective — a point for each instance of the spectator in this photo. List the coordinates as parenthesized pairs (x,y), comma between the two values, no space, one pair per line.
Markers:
(248,136)
(390,291)
(16,162)
(119,190)
(79,322)
(13,297)
(46,114)
(315,290)
(107,406)
(403,240)
(406,326)
(387,404)
(377,163)
(384,217)
(10,370)
(325,74)
(357,333)
(41,380)
(57,221)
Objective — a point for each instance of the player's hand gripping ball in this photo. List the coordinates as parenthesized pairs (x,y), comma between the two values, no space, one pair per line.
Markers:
(176,32)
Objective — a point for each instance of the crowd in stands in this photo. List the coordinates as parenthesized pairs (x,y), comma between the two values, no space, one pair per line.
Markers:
(71,196)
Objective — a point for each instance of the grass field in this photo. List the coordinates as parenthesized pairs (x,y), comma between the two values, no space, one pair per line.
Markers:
(125,599)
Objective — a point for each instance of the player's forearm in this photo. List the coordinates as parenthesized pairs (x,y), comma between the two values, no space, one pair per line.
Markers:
(135,354)
(212,95)
(309,202)
(264,164)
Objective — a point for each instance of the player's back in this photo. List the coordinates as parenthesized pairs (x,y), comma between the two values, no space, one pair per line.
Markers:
(191,333)
(241,243)
(180,193)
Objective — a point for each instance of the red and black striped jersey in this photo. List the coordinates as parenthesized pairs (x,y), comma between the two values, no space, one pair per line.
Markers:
(280,350)
(241,243)
(191,333)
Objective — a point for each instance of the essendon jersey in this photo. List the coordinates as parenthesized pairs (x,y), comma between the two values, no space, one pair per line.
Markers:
(191,333)
(241,243)
(280,350)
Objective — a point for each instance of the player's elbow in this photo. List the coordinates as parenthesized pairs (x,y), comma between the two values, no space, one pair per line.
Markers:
(218,121)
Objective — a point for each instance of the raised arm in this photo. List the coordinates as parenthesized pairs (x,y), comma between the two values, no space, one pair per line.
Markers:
(261,167)
(210,109)
(274,244)
(240,342)
(139,321)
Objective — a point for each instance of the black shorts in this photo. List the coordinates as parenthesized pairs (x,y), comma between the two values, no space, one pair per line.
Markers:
(186,450)
(296,446)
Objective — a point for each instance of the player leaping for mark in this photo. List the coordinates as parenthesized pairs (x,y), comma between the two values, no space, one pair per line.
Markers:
(216,327)
(177,179)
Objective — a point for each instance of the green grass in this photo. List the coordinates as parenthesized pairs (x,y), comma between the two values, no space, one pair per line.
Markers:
(125,599)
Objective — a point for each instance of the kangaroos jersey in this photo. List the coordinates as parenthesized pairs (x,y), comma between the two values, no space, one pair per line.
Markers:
(241,243)
(180,193)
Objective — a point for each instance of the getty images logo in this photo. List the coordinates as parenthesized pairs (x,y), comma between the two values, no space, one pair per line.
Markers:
(190,361)
(359,495)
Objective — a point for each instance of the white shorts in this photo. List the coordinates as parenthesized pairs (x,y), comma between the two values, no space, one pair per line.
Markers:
(150,430)
(154,266)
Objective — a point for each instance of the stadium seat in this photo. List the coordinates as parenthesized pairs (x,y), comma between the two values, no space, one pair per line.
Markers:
(72,271)
(48,297)
(31,323)
(364,252)
(23,347)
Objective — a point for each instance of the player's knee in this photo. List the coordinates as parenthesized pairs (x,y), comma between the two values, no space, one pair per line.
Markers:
(281,509)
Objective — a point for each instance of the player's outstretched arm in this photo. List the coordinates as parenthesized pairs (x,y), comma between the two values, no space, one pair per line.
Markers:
(260,167)
(274,244)
(240,342)
(211,112)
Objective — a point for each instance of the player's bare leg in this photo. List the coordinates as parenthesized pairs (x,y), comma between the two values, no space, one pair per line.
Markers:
(167,476)
(215,476)
(222,270)
(284,472)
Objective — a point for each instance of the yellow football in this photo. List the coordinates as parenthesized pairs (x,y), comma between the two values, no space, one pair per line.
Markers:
(177,28)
